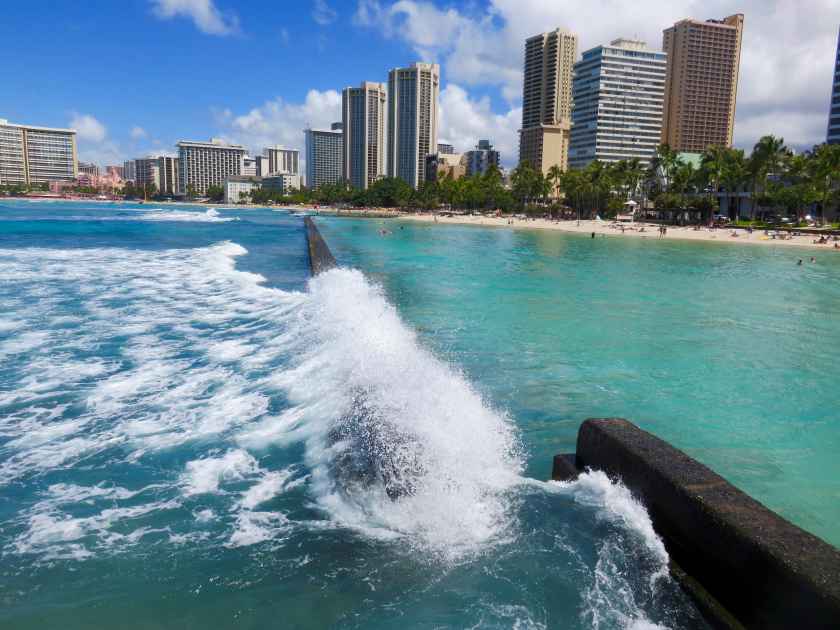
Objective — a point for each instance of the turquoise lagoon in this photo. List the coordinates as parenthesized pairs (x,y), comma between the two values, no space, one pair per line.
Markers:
(176,392)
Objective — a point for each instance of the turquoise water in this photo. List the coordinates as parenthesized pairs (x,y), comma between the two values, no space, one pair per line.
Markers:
(194,433)
(729,352)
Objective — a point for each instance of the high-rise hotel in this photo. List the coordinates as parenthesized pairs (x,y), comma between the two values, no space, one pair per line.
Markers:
(833,134)
(36,155)
(324,160)
(205,164)
(617,93)
(702,82)
(364,122)
(547,99)
(412,120)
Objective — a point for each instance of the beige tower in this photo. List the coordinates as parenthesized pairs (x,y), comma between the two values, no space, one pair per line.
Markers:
(701,84)
(412,120)
(547,99)
(364,121)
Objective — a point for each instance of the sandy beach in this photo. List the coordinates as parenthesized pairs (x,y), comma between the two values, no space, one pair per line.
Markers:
(637,230)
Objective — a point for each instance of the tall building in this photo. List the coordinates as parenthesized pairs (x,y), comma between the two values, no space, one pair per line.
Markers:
(442,165)
(445,148)
(547,99)
(618,91)
(281,160)
(36,155)
(323,156)
(364,123)
(205,164)
(129,171)
(147,172)
(168,175)
(481,158)
(833,134)
(412,120)
(702,82)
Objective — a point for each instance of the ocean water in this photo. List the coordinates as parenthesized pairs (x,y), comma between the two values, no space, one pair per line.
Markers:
(195,434)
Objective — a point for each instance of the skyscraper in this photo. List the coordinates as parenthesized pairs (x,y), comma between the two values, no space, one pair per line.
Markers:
(702,82)
(363,120)
(36,155)
(833,134)
(547,99)
(617,113)
(323,156)
(412,120)
(168,174)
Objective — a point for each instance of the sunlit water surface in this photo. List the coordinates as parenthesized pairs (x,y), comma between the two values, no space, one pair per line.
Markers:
(175,397)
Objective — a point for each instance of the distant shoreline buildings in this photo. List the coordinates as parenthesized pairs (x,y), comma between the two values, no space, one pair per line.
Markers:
(618,101)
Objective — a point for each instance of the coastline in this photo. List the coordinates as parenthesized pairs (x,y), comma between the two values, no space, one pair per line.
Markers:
(651,231)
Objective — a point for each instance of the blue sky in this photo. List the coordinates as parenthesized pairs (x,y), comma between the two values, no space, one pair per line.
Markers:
(135,76)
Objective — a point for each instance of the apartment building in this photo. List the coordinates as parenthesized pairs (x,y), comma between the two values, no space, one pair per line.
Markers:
(36,155)
(205,164)
(363,119)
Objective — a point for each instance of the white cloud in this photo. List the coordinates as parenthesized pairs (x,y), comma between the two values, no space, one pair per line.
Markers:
(323,13)
(138,133)
(279,121)
(465,121)
(204,14)
(88,128)
(94,145)
(787,53)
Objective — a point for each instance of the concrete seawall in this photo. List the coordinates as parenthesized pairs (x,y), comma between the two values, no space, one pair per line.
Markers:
(743,564)
(320,256)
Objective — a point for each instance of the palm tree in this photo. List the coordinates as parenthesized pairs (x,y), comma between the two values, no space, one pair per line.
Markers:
(555,175)
(824,163)
(767,158)
(663,164)
(734,175)
(712,163)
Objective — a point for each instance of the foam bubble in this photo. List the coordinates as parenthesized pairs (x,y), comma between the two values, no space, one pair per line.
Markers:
(205,475)
(209,216)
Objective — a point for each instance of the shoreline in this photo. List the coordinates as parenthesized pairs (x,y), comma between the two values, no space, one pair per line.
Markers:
(651,231)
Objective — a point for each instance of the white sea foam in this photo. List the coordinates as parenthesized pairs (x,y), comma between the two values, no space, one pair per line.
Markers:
(209,216)
(201,352)
(205,475)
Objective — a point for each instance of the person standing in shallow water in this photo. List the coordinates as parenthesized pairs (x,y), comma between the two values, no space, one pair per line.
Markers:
(593,234)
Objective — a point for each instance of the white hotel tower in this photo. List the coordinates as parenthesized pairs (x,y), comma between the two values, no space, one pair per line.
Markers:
(618,93)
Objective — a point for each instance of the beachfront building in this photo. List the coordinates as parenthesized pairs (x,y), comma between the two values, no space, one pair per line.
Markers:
(445,165)
(617,114)
(147,172)
(205,164)
(238,187)
(481,158)
(36,155)
(363,120)
(168,175)
(547,99)
(701,83)
(324,160)
(88,168)
(249,166)
(412,120)
(282,183)
(833,134)
(282,160)
(129,171)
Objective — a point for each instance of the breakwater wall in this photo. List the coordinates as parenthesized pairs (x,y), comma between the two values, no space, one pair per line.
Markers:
(320,256)
(744,565)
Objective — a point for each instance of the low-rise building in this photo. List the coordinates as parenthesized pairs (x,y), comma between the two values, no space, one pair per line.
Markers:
(238,187)
(282,183)
(442,165)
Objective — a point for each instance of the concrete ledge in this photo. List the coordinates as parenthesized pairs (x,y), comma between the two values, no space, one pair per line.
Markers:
(320,256)
(765,571)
